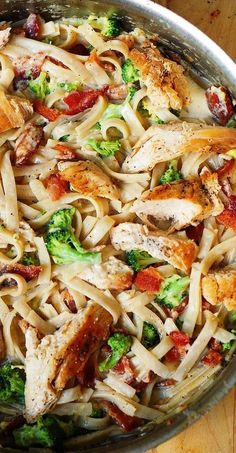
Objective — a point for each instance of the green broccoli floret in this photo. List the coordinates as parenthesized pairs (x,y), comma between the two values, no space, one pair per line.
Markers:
(172,291)
(61,242)
(226,346)
(64,138)
(108,26)
(49,431)
(131,92)
(150,336)
(30,259)
(12,384)
(130,74)
(232,122)
(40,86)
(147,110)
(98,412)
(120,345)
(138,259)
(112,111)
(70,86)
(171,174)
(105,148)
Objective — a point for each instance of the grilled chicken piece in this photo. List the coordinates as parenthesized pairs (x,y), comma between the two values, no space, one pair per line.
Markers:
(220,287)
(87,178)
(113,274)
(4,36)
(14,111)
(28,143)
(53,361)
(166,84)
(176,251)
(168,141)
(184,202)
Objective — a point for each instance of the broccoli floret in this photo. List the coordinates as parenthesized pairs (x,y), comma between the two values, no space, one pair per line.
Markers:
(231,320)
(171,174)
(40,86)
(69,86)
(29,259)
(98,412)
(108,27)
(64,138)
(131,92)
(105,147)
(172,291)
(61,242)
(150,336)
(112,111)
(120,345)
(130,74)
(232,122)
(12,384)
(147,110)
(47,432)
(138,259)
(226,346)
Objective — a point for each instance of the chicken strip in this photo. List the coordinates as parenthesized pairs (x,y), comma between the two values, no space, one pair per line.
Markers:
(14,111)
(168,141)
(220,287)
(185,202)
(113,274)
(53,361)
(166,84)
(28,143)
(87,178)
(173,249)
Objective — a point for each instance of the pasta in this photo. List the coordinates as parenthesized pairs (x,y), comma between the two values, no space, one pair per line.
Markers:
(117,234)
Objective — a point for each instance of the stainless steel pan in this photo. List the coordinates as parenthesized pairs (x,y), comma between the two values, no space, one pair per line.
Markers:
(212,65)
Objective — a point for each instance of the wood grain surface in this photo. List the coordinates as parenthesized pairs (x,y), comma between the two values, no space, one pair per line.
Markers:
(216,432)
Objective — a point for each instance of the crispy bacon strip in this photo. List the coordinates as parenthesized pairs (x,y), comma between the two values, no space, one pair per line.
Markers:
(220,103)
(28,143)
(56,186)
(126,422)
(228,216)
(33,26)
(179,338)
(27,272)
(48,113)
(78,101)
(212,358)
(148,279)
(65,152)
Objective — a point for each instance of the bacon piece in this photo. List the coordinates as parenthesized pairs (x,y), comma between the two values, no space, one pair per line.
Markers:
(179,338)
(78,101)
(65,152)
(226,170)
(212,358)
(148,279)
(57,62)
(215,345)
(28,143)
(124,368)
(220,103)
(173,355)
(195,232)
(117,92)
(228,216)
(207,306)
(126,422)
(33,26)
(56,186)
(79,49)
(27,272)
(2,344)
(42,109)
(69,301)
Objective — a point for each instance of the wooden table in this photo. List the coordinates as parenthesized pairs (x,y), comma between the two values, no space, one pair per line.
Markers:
(216,432)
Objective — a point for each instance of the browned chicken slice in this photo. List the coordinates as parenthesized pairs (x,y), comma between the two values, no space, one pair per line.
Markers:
(220,287)
(14,111)
(185,202)
(171,248)
(114,274)
(87,178)
(168,141)
(166,84)
(53,361)
(28,143)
